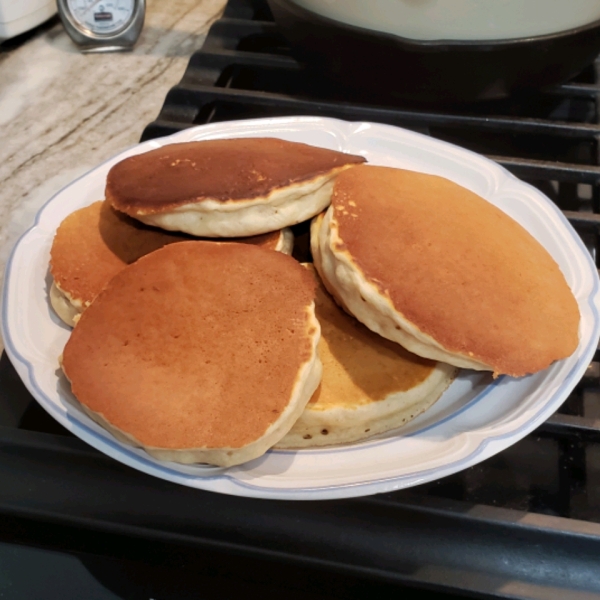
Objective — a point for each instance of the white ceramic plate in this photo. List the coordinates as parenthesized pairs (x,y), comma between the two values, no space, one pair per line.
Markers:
(476,418)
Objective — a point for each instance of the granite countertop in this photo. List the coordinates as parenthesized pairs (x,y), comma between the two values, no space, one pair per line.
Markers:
(63,112)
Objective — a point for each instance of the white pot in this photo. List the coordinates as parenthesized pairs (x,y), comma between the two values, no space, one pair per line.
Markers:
(459,19)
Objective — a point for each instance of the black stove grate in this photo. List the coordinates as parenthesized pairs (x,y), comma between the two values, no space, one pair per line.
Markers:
(245,70)
(523,524)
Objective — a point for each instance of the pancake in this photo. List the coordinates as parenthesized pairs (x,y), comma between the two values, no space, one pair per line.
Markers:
(96,242)
(199,352)
(226,188)
(428,264)
(370,385)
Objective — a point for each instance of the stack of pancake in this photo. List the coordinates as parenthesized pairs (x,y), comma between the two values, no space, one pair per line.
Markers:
(198,337)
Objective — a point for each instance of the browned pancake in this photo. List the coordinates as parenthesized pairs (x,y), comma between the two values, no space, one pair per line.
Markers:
(96,242)
(370,385)
(222,170)
(199,352)
(451,269)
(360,367)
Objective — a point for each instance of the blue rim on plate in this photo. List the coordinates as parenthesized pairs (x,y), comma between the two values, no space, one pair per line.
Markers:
(462,437)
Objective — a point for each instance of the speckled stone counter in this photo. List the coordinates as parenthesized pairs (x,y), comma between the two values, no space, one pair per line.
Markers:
(62,112)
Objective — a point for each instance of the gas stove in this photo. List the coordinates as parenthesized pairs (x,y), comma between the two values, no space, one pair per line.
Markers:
(523,524)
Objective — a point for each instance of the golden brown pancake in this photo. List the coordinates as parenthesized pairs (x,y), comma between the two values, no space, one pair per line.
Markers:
(431,265)
(370,385)
(226,188)
(96,242)
(199,352)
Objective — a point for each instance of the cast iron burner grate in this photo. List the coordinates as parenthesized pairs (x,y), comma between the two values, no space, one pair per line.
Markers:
(523,524)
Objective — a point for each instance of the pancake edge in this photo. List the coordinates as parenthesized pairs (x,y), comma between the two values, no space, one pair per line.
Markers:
(338,425)
(65,306)
(283,207)
(285,243)
(350,288)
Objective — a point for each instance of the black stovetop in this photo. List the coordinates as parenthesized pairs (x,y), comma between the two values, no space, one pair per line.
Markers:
(524,523)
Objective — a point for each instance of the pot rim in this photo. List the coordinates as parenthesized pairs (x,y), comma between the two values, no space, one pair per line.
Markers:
(441,44)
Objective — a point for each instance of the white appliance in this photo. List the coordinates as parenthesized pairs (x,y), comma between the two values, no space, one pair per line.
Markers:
(17,16)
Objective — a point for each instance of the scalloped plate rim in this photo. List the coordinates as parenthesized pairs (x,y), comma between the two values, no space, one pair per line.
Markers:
(222,480)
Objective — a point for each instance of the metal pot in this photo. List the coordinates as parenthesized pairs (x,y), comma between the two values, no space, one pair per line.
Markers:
(442,50)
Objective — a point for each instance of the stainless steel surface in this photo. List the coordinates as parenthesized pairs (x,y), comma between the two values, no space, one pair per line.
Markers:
(95,41)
